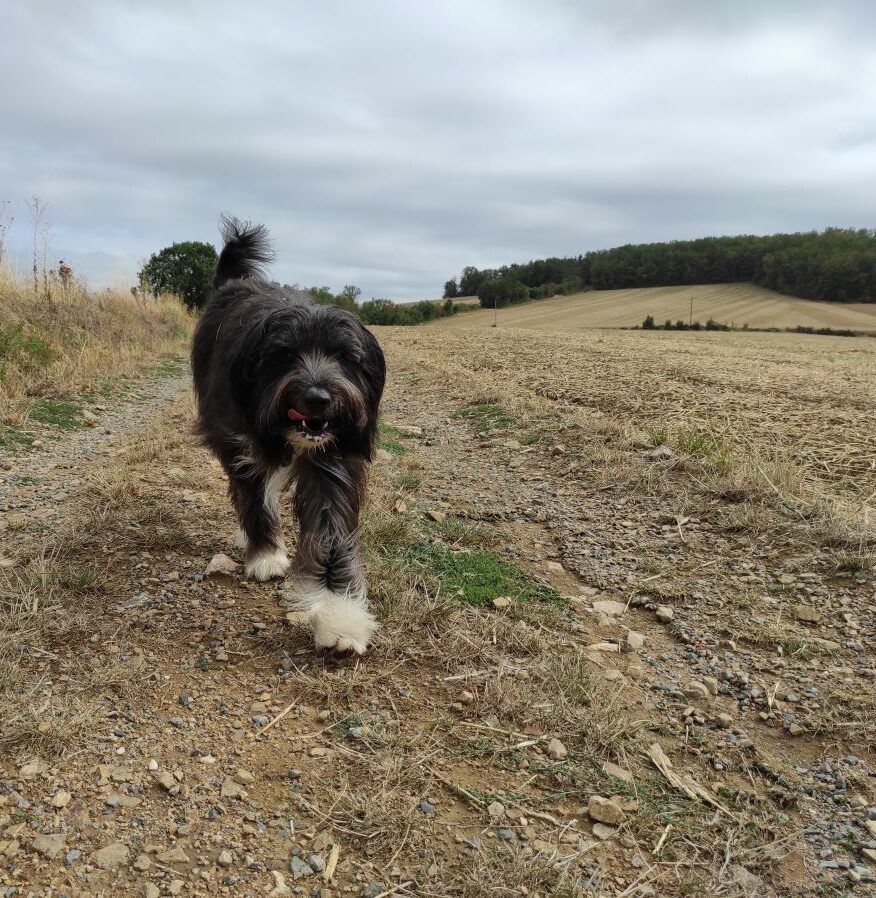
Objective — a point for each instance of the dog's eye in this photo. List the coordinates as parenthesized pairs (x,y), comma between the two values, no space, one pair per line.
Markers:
(347,353)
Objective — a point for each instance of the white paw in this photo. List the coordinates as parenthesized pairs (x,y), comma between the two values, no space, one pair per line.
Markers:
(240,540)
(266,565)
(341,622)
(350,631)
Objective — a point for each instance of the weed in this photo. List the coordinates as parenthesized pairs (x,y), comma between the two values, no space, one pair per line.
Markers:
(657,436)
(696,442)
(349,722)
(78,580)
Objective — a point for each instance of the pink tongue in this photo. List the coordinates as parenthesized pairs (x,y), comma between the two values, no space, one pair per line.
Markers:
(296,416)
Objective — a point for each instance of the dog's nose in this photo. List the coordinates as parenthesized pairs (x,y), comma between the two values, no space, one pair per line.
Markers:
(316,399)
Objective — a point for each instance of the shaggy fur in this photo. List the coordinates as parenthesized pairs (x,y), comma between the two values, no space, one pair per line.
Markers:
(288,393)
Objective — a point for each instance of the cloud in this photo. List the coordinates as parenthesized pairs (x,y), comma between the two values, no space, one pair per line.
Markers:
(389,144)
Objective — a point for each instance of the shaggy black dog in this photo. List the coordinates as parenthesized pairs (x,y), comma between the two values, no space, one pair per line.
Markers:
(288,392)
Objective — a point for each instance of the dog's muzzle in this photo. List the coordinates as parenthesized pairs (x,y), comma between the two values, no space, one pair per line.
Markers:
(309,427)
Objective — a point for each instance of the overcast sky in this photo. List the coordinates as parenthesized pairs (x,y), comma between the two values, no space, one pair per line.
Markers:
(388,144)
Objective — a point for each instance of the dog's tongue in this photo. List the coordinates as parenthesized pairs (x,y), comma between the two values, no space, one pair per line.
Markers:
(296,415)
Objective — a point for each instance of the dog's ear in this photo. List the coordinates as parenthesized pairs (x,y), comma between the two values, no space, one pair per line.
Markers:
(244,368)
(374,366)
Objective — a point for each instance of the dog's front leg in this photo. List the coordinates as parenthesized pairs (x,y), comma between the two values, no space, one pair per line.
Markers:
(329,491)
(256,498)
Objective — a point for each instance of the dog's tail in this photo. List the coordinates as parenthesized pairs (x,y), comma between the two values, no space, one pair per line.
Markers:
(247,249)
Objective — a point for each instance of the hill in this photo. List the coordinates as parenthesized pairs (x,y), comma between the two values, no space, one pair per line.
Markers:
(836,264)
(739,304)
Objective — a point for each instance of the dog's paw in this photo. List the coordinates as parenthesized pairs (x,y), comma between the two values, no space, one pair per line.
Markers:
(342,624)
(267,565)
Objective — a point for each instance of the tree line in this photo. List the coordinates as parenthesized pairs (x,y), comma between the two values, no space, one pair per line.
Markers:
(837,264)
(186,269)
(538,279)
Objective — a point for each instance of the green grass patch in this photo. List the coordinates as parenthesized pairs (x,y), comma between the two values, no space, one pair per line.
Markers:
(408,480)
(80,580)
(28,350)
(14,440)
(478,576)
(393,447)
(388,430)
(57,413)
(173,364)
(485,417)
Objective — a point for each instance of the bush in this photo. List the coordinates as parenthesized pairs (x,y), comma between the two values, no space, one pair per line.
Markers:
(385,311)
(648,323)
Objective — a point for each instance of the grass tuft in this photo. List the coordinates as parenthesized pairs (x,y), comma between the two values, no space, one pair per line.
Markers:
(485,417)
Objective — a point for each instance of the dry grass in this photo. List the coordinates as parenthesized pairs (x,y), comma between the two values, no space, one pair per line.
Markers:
(500,872)
(76,341)
(33,614)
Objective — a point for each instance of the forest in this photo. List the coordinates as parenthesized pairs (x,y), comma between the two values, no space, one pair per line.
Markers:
(836,264)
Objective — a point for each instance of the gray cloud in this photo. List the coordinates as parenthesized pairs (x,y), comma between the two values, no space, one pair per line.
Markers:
(389,144)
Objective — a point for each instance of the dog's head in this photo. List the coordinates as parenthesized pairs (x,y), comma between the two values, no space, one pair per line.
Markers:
(314,376)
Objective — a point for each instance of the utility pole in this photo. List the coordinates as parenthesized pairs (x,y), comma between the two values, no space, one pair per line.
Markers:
(495,313)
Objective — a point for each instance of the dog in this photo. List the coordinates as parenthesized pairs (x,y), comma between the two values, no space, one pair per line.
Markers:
(288,393)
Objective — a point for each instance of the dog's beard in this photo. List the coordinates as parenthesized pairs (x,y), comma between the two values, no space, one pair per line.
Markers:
(303,439)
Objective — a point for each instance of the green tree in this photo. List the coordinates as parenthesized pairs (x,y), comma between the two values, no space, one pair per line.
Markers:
(451,290)
(322,295)
(185,269)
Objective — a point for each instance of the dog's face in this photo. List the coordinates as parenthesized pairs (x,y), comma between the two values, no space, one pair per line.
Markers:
(316,378)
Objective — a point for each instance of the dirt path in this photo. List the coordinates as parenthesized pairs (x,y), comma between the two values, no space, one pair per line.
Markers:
(39,482)
(557,598)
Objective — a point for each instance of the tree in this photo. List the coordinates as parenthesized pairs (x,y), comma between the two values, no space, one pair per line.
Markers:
(502,291)
(451,290)
(185,269)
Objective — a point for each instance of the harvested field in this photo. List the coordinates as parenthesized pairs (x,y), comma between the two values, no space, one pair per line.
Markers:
(736,304)
(628,600)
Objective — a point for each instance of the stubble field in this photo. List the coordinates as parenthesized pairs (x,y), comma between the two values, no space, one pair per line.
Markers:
(626,586)
(733,304)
